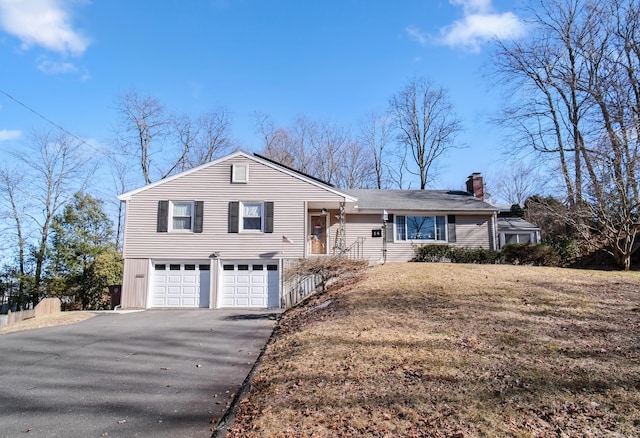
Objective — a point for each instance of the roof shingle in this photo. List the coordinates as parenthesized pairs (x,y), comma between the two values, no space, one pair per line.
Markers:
(427,200)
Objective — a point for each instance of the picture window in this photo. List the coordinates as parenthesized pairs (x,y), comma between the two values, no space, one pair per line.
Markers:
(432,228)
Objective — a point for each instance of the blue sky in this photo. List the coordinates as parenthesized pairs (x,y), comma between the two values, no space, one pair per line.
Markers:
(333,60)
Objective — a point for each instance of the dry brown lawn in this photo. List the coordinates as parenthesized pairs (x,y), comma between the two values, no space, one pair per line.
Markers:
(415,350)
(55,319)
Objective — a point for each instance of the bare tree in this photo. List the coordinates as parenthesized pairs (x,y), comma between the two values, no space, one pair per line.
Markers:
(548,113)
(328,144)
(164,144)
(143,123)
(357,167)
(375,134)
(202,138)
(322,149)
(292,146)
(425,124)
(54,168)
(119,172)
(517,182)
(576,96)
(13,210)
(276,141)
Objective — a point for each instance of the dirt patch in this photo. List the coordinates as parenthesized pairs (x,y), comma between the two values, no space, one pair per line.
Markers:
(455,350)
(62,318)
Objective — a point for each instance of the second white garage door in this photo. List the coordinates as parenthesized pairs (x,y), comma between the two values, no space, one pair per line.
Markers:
(249,283)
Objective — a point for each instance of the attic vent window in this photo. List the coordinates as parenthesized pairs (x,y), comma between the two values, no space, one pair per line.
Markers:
(240,173)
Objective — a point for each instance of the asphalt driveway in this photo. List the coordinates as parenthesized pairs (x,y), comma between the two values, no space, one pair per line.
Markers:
(158,373)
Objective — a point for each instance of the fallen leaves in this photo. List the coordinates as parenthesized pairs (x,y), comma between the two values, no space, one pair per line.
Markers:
(498,351)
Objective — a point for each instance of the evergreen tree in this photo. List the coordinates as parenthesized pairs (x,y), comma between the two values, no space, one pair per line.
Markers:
(83,255)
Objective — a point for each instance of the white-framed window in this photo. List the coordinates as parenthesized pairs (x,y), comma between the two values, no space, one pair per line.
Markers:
(251,216)
(517,238)
(240,173)
(432,228)
(181,216)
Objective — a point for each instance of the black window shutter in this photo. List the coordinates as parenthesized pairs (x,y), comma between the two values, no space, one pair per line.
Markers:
(163,217)
(268,217)
(234,208)
(388,232)
(197,223)
(451,227)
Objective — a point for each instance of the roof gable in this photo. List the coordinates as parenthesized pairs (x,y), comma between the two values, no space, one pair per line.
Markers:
(269,163)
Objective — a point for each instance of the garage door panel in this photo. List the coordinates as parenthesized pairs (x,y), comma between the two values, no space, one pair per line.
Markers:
(242,279)
(190,278)
(241,291)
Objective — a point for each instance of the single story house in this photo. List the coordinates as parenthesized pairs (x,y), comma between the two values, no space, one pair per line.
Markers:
(220,235)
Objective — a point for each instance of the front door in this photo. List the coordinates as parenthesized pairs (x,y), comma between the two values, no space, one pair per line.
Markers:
(319,240)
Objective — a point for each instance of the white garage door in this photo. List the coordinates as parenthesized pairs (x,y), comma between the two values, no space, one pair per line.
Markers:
(249,284)
(181,285)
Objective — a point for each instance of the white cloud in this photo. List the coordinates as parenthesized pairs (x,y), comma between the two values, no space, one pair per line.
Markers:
(480,24)
(46,23)
(473,6)
(416,34)
(55,67)
(6,134)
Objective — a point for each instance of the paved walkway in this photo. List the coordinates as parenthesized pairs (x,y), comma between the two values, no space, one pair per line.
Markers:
(159,373)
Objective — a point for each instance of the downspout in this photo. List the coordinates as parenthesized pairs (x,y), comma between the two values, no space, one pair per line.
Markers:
(341,243)
(305,230)
(494,227)
(385,219)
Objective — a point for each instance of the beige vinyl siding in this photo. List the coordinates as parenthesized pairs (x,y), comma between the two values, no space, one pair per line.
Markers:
(212,185)
(360,225)
(473,231)
(135,283)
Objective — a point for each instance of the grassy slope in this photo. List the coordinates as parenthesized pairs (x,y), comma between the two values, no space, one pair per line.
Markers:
(456,350)
(55,319)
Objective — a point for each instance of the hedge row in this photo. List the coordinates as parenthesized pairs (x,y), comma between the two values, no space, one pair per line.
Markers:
(514,254)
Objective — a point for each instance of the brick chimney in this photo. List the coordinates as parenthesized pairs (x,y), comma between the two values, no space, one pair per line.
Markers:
(475,185)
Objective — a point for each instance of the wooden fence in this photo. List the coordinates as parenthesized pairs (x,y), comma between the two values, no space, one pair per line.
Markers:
(45,307)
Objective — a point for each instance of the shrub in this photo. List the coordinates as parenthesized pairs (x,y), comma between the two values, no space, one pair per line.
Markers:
(446,253)
(567,248)
(531,254)
(432,253)
(328,268)
(476,255)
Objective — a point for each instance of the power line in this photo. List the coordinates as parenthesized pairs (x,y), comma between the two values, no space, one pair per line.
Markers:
(66,131)
(51,122)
